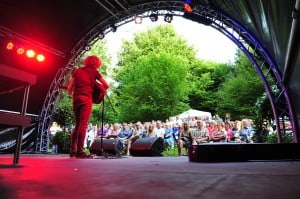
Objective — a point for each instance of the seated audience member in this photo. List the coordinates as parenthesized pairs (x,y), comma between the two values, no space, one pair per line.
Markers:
(106,128)
(175,130)
(228,130)
(159,130)
(136,133)
(219,135)
(200,133)
(244,133)
(212,127)
(237,125)
(114,131)
(185,138)
(168,137)
(125,132)
(150,131)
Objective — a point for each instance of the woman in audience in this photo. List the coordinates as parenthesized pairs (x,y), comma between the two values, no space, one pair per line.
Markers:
(185,138)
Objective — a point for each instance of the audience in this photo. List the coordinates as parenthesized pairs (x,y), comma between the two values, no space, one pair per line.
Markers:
(183,132)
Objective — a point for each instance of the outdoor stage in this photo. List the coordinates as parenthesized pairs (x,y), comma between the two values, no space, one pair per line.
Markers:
(58,176)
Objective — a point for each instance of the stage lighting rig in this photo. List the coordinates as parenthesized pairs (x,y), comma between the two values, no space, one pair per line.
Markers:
(113,28)
(168,18)
(153,17)
(28,51)
(138,19)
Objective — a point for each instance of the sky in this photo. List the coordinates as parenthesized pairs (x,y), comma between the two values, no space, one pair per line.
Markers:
(211,45)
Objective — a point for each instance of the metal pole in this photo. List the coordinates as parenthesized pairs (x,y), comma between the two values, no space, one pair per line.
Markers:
(21,128)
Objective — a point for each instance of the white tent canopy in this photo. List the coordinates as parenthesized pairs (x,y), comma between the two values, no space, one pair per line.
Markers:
(195,113)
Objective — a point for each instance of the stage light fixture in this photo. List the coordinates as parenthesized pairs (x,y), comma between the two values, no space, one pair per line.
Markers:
(20,51)
(87,47)
(187,8)
(40,58)
(168,18)
(113,28)
(30,53)
(10,46)
(153,17)
(138,19)
(101,35)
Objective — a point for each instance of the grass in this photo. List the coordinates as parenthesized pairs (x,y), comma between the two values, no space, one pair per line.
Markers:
(173,152)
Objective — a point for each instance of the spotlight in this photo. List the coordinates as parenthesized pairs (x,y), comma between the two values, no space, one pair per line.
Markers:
(40,58)
(101,35)
(187,8)
(168,18)
(138,19)
(10,46)
(113,28)
(20,51)
(87,47)
(153,17)
(30,53)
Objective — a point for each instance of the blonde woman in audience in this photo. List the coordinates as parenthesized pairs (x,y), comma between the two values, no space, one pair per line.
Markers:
(114,131)
(212,127)
(150,131)
(185,138)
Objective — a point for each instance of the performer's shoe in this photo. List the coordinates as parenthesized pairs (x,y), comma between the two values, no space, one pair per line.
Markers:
(72,155)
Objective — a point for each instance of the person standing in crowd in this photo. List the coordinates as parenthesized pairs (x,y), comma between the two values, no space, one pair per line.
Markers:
(81,88)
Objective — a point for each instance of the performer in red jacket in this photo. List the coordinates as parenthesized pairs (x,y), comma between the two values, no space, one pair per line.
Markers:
(81,88)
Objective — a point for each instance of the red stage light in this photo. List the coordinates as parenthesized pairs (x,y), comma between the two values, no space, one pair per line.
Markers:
(40,58)
(20,51)
(30,53)
(10,46)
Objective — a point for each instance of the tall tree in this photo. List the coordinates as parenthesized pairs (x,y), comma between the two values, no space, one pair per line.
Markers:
(240,91)
(207,77)
(152,75)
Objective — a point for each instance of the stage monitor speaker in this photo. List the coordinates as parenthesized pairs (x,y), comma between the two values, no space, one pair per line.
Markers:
(150,146)
(109,146)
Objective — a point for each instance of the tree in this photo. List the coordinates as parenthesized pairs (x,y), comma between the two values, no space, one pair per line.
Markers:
(152,75)
(207,78)
(62,112)
(239,92)
(155,88)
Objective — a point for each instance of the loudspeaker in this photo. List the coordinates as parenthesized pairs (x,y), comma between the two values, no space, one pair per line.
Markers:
(110,146)
(150,146)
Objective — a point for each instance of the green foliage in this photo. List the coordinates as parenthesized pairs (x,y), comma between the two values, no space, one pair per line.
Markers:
(155,88)
(62,140)
(153,75)
(207,78)
(238,94)
(63,113)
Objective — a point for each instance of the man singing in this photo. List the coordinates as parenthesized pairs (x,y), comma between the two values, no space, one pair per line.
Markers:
(81,88)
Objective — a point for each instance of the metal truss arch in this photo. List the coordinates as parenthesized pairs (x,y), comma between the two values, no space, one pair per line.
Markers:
(259,57)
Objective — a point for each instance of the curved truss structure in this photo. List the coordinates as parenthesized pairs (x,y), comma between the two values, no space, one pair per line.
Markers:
(263,63)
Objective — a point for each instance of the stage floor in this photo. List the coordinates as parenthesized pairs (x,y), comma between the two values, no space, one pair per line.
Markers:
(58,176)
